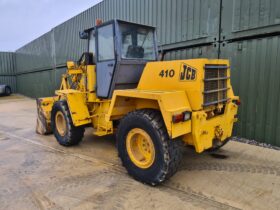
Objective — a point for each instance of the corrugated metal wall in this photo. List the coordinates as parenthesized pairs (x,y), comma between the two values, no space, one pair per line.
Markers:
(36,56)
(255,73)
(208,51)
(245,31)
(7,63)
(250,38)
(42,83)
(7,69)
(179,23)
(245,18)
(39,83)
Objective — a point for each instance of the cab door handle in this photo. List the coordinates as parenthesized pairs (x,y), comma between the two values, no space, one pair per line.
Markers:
(110,65)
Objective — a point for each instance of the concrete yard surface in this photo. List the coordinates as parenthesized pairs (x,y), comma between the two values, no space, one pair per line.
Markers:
(37,173)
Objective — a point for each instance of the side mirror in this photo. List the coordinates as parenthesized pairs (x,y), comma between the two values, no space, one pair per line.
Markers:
(83,35)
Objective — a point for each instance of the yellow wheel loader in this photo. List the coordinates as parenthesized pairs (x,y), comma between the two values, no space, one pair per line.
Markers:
(120,87)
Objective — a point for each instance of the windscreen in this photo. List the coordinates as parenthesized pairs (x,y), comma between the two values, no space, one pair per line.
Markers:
(137,42)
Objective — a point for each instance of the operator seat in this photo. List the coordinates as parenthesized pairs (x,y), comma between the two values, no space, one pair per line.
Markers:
(135,52)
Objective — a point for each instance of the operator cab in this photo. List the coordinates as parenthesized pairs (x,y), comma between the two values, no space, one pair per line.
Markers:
(121,50)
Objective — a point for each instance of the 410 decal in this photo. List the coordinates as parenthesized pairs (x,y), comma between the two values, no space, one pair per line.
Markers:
(186,73)
(167,73)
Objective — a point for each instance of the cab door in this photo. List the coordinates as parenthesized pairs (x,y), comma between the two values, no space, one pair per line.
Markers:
(106,59)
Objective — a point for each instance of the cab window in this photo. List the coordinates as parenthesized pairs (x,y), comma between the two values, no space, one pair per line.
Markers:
(106,43)
(137,42)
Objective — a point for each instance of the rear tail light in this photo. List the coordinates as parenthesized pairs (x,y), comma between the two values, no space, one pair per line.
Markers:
(181,117)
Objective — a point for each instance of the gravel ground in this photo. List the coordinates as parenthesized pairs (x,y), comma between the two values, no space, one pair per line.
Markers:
(38,173)
(254,142)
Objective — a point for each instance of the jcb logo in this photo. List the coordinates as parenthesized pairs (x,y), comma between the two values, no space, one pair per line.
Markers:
(187,73)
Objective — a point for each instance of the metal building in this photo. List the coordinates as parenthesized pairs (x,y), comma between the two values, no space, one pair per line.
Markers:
(7,69)
(246,32)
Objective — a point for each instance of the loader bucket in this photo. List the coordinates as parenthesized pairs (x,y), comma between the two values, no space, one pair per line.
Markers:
(44,106)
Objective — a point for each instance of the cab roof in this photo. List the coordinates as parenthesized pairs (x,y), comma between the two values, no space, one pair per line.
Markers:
(119,21)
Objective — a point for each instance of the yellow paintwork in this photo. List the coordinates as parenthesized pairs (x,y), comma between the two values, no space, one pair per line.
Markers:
(168,102)
(203,130)
(168,94)
(91,78)
(71,65)
(172,96)
(140,148)
(150,79)
(76,101)
(46,104)
(60,123)
(100,124)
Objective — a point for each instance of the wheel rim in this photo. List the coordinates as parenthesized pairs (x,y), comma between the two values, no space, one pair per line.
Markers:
(60,123)
(140,148)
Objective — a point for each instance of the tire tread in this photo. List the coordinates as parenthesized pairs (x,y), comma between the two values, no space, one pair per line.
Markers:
(75,134)
(172,148)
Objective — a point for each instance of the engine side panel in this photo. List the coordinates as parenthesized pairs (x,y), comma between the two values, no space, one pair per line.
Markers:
(184,75)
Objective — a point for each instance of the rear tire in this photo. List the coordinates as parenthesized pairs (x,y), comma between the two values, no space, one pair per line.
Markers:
(62,126)
(167,152)
(8,90)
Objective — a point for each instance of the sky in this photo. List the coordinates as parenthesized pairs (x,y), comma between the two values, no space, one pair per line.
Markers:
(22,21)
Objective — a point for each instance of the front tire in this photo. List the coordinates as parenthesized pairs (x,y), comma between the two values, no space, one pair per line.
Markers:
(146,150)
(63,128)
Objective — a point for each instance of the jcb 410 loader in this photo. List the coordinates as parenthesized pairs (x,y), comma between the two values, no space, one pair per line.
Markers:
(119,87)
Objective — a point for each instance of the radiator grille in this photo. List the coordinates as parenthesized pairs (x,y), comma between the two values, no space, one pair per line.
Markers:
(215,84)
